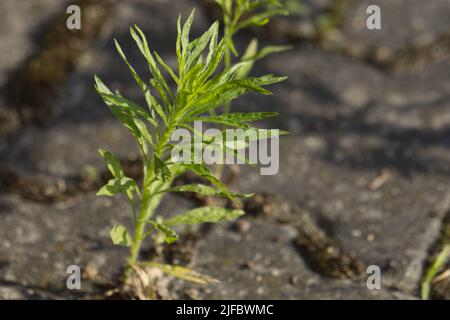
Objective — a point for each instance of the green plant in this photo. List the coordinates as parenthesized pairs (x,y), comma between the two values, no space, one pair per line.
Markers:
(431,273)
(200,88)
(239,15)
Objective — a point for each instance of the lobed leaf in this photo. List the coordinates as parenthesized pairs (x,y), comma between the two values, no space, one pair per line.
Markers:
(161,169)
(203,171)
(204,190)
(205,215)
(224,93)
(125,111)
(170,236)
(260,19)
(238,119)
(200,44)
(119,236)
(112,163)
(118,185)
(160,83)
(185,33)
(167,68)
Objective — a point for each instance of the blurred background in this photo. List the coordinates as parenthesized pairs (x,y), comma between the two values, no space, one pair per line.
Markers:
(364,174)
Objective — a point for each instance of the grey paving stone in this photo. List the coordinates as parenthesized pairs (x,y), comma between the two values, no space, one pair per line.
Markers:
(349,123)
(20,21)
(81,122)
(41,241)
(404,22)
(262,263)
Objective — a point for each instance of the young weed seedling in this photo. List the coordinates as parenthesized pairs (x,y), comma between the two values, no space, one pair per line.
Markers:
(242,14)
(200,88)
(239,15)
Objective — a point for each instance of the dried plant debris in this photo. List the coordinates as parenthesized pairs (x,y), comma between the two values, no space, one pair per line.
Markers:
(30,91)
(441,286)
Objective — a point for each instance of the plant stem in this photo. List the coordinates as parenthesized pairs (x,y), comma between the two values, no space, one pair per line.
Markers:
(227,62)
(145,214)
(148,204)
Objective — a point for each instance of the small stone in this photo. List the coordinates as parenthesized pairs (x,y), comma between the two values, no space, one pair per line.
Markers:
(357,233)
(243,225)
(276,272)
(294,280)
(90,272)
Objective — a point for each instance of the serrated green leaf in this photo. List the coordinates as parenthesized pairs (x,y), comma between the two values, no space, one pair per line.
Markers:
(115,186)
(170,236)
(238,119)
(112,163)
(160,82)
(144,131)
(159,109)
(185,33)
(161,169)
(204,190)
(178,43)
(204,172)
(133,72)
(127,106)
(260,19)
(224,93)
(192,76)
(264,3)
(212,46)
(268,79)
(144,87)
(125,110)
(213,61)
(205,215)
(119,236)
(201,44)
(167,68)
(259,134)
(243,4)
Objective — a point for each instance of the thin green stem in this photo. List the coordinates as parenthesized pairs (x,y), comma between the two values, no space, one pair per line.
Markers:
(149,202)
(433,270)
